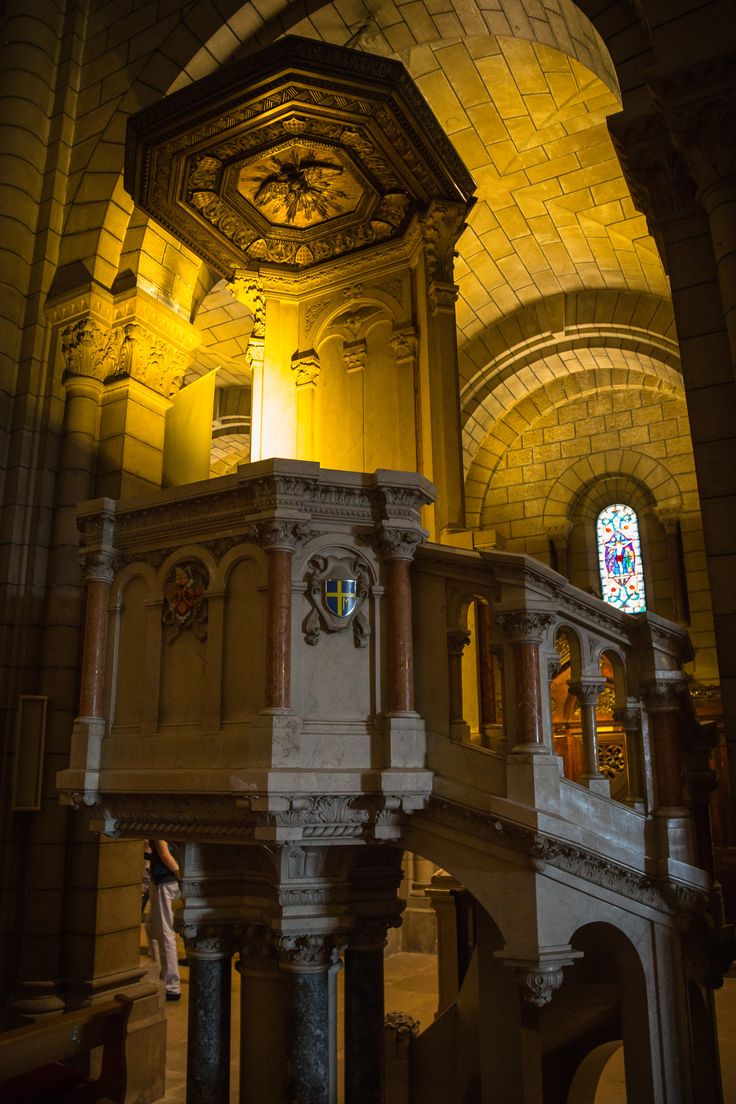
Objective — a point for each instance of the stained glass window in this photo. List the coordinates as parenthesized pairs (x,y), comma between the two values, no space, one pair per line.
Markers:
(619,557)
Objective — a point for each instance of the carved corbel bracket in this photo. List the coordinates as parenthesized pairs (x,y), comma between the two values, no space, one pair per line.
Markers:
(540,977)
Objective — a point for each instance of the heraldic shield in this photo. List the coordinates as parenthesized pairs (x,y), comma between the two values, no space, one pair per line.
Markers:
(337,589)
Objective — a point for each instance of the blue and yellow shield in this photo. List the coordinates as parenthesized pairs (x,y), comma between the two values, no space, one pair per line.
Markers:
(341,596)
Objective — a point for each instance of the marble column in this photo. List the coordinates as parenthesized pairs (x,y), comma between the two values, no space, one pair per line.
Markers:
(209,950)
(262,993)
(306,961)
(98,576)
(364,1067)
(457,642)
(487,677)
(526,628)
(398,548)
(587,692)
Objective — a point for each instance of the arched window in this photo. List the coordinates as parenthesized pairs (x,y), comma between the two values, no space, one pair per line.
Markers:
(619,558)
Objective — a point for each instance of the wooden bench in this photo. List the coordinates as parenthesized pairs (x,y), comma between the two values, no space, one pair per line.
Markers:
(34,1060)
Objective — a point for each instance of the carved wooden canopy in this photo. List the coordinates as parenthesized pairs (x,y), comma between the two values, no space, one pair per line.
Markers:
(296,155)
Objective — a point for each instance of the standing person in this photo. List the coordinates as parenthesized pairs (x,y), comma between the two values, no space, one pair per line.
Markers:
(164,891)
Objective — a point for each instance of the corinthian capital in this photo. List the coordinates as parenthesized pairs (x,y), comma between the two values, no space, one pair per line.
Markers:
(525,626)
(441,227)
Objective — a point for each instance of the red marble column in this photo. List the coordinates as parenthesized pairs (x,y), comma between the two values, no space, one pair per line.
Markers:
(278,628)
(487,679)
(457,641)
(401,642)
(98,576)
(526,629)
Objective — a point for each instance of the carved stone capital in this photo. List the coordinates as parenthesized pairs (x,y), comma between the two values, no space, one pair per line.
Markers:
(668,517)
(98,566)
(209,941)
(405,344)
(402,1024)
(286,534)
(525,626)
(306,368)
(559,535)
(457,641)
(587,691)
(248,290)
(663,695)
(395,543)
(130,351)
(658,176)
(442,297)
(312,951)
(370,932)
(629,717)
(354,354)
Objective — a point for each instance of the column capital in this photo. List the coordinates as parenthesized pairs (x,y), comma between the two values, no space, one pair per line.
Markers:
(210,940)
(306,368)
(281,534)
(441,228)
(457,641)
(628,716)
(371,932)
(405,343)
(395,543)
(132,350)
(663,695)
(657,174)
(525,626)
(307,952)
(587,690)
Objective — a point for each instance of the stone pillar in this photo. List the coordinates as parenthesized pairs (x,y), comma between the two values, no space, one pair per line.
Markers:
(209,951)
(262,992)
(457,642)
(441,893)
(364,1017)
(670,522)
(663,187)
(587,691)
(526,628)
(306,960)
(629,717)
(398,547)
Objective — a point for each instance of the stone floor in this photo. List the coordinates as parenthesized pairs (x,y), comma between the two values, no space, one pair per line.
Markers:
(411,986)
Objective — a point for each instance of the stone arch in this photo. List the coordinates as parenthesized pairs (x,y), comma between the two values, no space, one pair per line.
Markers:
(609,954)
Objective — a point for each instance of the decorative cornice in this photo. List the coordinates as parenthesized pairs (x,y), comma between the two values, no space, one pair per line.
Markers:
(543,850)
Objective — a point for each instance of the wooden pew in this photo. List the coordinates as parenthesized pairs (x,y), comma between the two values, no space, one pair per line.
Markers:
(34,1060)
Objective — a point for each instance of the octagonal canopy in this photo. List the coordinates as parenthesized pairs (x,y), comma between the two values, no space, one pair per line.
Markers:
(301,153)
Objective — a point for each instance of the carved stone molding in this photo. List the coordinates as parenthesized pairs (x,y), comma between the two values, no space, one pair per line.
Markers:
(442,298)
(629,717)
(306,368)
(525,626)
(664,695)
(541,850)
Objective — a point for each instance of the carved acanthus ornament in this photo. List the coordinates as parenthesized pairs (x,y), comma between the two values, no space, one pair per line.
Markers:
(664,695)
(587,691)
(286,534)
(128,351)
(525,626)
(210,941)
(629,717)
(539,986)
(306,368)
(442,226)
(399,544)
